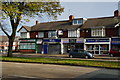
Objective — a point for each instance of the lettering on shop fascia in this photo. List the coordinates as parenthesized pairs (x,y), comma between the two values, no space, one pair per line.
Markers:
(97,40)
(27,40)
(52,40)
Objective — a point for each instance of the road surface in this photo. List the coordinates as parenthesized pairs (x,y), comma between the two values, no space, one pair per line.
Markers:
(32,71)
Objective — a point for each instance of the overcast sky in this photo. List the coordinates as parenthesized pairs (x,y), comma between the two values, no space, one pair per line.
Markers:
(81,10)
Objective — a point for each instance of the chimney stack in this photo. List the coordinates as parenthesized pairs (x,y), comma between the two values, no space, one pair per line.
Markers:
(36,22)
(116,13)
(71,17)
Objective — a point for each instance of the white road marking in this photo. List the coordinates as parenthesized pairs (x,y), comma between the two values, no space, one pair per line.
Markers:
(24,76)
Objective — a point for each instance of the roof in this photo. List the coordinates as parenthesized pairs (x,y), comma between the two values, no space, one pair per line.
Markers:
(5,38)
(54,26)
(28,28)
(100,22)
(66,25)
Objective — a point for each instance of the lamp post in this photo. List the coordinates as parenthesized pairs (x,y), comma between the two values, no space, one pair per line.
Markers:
(36,47)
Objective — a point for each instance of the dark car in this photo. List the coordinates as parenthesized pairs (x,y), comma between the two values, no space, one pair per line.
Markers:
(80,53)
(114,52)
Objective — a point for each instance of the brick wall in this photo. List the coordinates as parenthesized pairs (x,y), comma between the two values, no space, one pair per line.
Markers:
(33,34)
(65,35)
(111,32)
(85,33)
(46,34)
(27,51)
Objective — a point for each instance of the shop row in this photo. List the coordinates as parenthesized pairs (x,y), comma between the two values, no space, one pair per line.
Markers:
(63,46)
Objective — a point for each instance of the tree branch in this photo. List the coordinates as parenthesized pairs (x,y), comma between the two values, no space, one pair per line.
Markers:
(5,11)
(4,30)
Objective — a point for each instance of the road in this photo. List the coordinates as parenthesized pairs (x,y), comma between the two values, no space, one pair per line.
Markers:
(32,71)
(65,56)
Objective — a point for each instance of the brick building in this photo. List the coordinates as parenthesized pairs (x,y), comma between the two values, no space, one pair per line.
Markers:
(97,35)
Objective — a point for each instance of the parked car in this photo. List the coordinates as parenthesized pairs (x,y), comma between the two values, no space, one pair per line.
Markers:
(80,53)
(114,52)
(3,51)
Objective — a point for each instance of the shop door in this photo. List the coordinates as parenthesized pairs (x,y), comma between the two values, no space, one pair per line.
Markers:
(96,49)
(39,48)
(54,49)
(45,48)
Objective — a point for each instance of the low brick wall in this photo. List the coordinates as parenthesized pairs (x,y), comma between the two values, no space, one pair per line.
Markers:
(27,51)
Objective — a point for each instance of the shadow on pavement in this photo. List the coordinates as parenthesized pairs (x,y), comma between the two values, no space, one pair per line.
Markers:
(103,74)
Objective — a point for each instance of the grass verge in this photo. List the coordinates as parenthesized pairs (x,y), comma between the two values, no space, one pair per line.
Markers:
(105,64)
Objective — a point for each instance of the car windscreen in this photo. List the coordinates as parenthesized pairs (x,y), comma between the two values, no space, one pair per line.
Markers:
(81,51)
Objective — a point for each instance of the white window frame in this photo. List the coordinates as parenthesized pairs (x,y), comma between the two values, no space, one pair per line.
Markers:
(72,33)
(40,34)
(27,46)
(77,22)
(98,32)
(52,34)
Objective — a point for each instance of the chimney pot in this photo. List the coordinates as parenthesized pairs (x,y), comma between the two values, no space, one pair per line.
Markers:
(116,13)
(36,22)
(71,17)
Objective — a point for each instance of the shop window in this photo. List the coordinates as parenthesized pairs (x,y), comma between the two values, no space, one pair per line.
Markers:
(33,46)
(27,45)
(98,32)
(72,33)
(40,34)
(52,34)
(23,35)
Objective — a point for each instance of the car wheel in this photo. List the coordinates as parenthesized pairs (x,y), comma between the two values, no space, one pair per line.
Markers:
(71,56)
(111,55)
(86,57)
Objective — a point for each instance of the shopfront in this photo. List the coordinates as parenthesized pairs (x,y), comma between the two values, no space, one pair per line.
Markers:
(69,44)
(97,46)
(115,43)
(27,45)
(52,46)
(39,46)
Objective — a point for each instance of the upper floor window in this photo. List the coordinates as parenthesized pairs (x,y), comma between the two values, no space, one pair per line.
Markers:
(98,32)
(40,34)
(52,34)
(23,34)
(77,22)
(72,33)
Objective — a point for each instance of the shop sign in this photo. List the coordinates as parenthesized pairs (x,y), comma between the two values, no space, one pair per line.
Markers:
(65,40)
(115,41)
(52,40)
(80,41)
(28,40)
(72,40)
(97,40)
(39,41)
